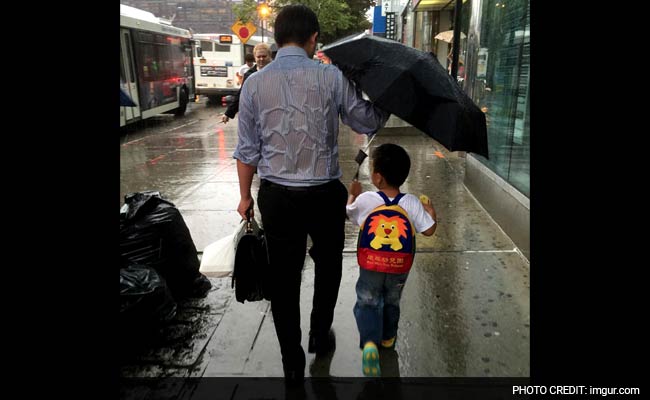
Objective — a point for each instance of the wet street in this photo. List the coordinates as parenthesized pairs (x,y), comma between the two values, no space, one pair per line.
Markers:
(465,306)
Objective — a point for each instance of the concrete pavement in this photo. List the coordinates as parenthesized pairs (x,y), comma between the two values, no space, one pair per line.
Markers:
(465,307)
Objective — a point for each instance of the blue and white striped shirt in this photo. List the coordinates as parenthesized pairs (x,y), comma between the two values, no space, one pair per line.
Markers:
(289,119)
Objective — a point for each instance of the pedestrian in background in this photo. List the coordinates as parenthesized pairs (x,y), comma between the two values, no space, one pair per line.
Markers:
(288,129)
(262,54)
(249,61)
(379,287)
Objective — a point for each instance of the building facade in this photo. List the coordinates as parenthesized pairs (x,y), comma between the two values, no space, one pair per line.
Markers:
(200,16)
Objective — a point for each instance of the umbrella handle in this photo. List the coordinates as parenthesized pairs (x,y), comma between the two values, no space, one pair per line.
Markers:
(370,141)
(356,176)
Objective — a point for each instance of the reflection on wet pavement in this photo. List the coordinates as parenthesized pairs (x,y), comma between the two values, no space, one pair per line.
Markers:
(464,310)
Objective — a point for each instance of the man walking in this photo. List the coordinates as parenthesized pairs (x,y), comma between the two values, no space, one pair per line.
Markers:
(288,128)
(262,57)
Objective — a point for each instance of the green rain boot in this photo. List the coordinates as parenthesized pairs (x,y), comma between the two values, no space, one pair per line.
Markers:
(370,360)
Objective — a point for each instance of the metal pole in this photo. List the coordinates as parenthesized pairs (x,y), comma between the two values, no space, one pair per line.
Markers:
(261,19)
(473,46)
(455,46)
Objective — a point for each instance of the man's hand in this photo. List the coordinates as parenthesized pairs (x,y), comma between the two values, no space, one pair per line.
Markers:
(245,173)
(245,204)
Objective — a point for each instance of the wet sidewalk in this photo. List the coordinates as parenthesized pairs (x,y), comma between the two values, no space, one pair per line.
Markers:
(465,306)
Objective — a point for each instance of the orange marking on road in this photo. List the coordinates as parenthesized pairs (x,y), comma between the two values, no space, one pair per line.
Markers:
(155,160)
(132,142)
(438,154)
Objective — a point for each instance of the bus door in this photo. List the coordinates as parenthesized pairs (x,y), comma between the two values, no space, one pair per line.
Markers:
(189,69)
(129,84)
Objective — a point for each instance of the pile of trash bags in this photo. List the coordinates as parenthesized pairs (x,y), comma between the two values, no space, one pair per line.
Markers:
(159,264)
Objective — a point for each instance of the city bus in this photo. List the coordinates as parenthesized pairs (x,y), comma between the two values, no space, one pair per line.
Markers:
(217,58)
(155,65)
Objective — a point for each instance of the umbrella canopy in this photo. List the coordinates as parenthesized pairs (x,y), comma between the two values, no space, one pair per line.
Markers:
(448,36)
(125,100)
(414,86)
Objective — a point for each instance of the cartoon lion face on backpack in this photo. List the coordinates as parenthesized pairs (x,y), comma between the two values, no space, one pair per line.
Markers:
(387,231)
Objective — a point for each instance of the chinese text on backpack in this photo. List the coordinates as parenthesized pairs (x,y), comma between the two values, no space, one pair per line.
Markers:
(387,239)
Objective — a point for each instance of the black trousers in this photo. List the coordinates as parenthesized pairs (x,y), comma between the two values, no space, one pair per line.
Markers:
(288,216)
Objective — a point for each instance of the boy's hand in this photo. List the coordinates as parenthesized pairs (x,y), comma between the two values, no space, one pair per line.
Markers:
(432,212)
(429,209)
(426,203)
(355,188)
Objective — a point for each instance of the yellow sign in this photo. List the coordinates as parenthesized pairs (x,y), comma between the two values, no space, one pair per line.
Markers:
(243,31)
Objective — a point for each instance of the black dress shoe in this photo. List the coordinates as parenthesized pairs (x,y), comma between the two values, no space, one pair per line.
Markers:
(294,377)
(321,345)
(294,369)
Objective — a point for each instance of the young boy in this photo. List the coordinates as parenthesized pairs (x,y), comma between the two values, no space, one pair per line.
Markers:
(380,284)
(249,60)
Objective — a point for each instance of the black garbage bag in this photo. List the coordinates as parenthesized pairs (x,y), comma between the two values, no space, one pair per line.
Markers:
(145,299)
(153,233)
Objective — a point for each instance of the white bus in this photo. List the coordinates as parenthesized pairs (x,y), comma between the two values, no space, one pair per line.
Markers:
(155,65)
(217,58)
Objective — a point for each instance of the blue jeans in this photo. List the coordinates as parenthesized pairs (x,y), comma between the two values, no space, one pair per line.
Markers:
(377,306)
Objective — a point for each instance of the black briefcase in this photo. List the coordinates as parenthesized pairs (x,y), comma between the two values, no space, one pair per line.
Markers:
(250,276)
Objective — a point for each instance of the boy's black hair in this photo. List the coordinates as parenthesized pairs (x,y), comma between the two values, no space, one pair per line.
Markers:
(249,57)
(295,23)
(392,162)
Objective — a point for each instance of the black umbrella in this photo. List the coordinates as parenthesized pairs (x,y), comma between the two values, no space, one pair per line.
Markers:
(125,100)
(414,86)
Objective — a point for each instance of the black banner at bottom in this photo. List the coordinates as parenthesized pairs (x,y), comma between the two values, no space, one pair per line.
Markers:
(321,388)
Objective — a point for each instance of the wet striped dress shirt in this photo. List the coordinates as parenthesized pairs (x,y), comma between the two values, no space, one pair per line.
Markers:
(289,119)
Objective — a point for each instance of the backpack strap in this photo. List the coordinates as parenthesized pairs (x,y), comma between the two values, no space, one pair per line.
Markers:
(387,200)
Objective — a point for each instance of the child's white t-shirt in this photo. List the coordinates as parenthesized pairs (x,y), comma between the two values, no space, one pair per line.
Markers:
(243,69)
(367,201)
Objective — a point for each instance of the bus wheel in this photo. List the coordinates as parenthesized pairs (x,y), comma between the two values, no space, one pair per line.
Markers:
(213,99)
(183,99)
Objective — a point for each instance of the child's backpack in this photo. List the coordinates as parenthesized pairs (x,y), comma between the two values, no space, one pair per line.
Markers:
(387,239)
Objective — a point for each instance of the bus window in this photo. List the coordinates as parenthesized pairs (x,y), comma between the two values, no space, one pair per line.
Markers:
(122,72)
(127,40)
(222,48)
(206,46)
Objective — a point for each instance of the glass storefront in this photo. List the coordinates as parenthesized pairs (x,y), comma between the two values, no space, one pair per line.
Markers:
(500,85)
(494,69)
(426,22)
